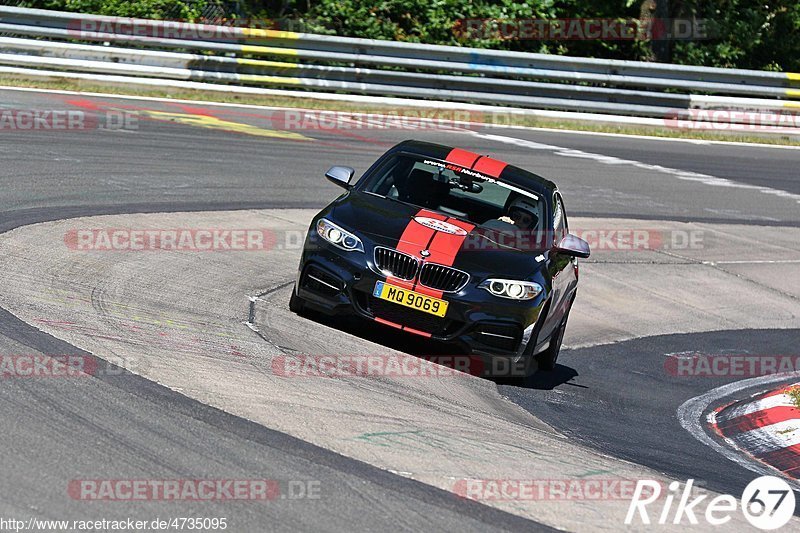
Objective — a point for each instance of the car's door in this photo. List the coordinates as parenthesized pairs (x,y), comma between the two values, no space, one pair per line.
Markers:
(560,267)
(569,275)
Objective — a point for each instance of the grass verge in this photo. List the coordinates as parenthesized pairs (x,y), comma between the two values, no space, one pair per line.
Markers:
(794,394)
(330,105)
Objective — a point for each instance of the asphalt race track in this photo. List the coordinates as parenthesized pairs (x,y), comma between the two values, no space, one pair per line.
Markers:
(204,407)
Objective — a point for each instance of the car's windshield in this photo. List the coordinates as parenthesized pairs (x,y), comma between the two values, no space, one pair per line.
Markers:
(456,191)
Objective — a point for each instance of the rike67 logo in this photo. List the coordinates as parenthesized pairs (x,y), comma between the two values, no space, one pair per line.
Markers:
(767,502)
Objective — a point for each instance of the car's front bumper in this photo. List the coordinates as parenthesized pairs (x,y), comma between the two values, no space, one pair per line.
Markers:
(341,283)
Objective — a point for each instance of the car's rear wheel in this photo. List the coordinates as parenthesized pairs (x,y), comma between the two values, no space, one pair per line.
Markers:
(547,359)
(296,304)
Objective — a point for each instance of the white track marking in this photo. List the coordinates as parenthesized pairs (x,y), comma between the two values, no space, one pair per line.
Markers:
(685,175)
(690,415)
(650,137)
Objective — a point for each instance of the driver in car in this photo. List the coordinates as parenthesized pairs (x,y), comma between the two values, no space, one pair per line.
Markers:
(522,213)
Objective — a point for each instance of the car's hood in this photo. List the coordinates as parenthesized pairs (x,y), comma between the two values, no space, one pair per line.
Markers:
(384,221)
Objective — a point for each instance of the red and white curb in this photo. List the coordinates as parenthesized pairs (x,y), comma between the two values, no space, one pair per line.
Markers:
(766,427)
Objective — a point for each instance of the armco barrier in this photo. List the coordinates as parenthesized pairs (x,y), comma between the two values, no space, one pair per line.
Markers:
(258,57)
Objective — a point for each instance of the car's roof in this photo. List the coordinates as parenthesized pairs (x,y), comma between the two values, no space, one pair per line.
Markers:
(485,164)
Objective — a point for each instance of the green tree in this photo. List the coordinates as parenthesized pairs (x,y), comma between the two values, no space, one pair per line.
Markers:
(149,9)
(744,34)
(423,21)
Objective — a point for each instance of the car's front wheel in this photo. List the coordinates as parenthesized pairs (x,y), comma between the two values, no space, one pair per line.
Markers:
(547,359)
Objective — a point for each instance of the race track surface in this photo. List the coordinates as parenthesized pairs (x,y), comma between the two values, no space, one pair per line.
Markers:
(189,414)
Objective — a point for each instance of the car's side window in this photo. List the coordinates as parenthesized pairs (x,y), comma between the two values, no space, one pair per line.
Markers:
(560,228)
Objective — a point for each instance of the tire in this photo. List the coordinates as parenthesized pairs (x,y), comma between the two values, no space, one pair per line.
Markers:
(547,359)
(529,361)
(296,304)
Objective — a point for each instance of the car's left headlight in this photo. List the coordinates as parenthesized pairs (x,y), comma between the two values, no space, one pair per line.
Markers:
(338,236)
(512,289)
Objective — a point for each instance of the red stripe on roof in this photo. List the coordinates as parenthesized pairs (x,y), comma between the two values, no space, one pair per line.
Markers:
(490,167)
(462,157)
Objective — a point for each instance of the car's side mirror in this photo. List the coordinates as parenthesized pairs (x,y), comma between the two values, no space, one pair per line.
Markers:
(574,246)
(340,176)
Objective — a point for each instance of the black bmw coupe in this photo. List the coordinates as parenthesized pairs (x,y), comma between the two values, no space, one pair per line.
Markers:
(451,245)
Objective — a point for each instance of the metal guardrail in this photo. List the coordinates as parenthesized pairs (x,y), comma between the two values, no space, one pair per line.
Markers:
(331,63)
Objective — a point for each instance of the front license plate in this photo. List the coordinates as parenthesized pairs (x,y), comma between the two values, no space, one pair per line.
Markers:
(411,299)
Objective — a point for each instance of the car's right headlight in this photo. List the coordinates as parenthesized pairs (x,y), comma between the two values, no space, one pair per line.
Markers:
(512,289)
(338,236)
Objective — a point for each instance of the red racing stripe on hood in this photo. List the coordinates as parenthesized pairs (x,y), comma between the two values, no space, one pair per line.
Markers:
(444,248)
(414,239)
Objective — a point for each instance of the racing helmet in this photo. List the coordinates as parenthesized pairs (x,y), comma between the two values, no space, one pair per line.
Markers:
(524,212)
